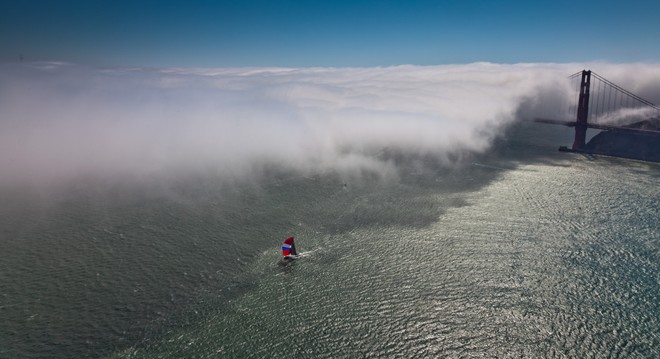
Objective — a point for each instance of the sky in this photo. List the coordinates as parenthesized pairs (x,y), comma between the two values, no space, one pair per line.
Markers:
(308,33)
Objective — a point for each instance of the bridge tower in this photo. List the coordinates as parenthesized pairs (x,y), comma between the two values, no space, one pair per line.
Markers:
(582,111)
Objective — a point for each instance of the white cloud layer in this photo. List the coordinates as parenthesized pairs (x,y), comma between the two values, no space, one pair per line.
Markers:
(59,121)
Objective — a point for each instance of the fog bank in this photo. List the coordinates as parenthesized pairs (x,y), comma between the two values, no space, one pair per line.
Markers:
(60,121)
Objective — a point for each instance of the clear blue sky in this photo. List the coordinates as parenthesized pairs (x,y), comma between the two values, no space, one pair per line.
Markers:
(225,33)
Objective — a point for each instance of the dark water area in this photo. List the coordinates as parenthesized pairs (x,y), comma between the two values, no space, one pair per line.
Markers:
(520,252)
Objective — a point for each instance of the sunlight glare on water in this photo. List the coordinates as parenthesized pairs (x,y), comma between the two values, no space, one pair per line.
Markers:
(546,261)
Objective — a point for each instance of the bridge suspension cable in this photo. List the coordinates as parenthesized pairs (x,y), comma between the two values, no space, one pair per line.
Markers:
(631,123)
(611,104)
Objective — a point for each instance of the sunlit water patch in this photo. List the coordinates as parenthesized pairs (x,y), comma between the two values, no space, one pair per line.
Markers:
(546,261)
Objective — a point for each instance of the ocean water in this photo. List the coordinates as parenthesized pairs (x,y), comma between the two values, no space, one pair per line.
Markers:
(521,252)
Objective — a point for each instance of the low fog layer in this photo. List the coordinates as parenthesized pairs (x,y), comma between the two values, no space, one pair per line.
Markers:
(60,121)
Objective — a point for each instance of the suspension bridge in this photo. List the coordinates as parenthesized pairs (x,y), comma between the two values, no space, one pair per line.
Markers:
(630,125)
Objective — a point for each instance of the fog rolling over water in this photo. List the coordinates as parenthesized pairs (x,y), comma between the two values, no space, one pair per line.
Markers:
(60,121)
(142,211)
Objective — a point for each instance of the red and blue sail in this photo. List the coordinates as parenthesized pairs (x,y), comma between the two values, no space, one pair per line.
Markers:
(289,247)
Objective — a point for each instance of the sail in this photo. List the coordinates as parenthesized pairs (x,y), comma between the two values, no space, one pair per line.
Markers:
(289,247)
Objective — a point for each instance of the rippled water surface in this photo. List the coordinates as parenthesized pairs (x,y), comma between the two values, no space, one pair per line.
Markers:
(509,255)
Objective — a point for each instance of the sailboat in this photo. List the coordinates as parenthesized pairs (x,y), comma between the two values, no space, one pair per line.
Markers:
(289,249)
